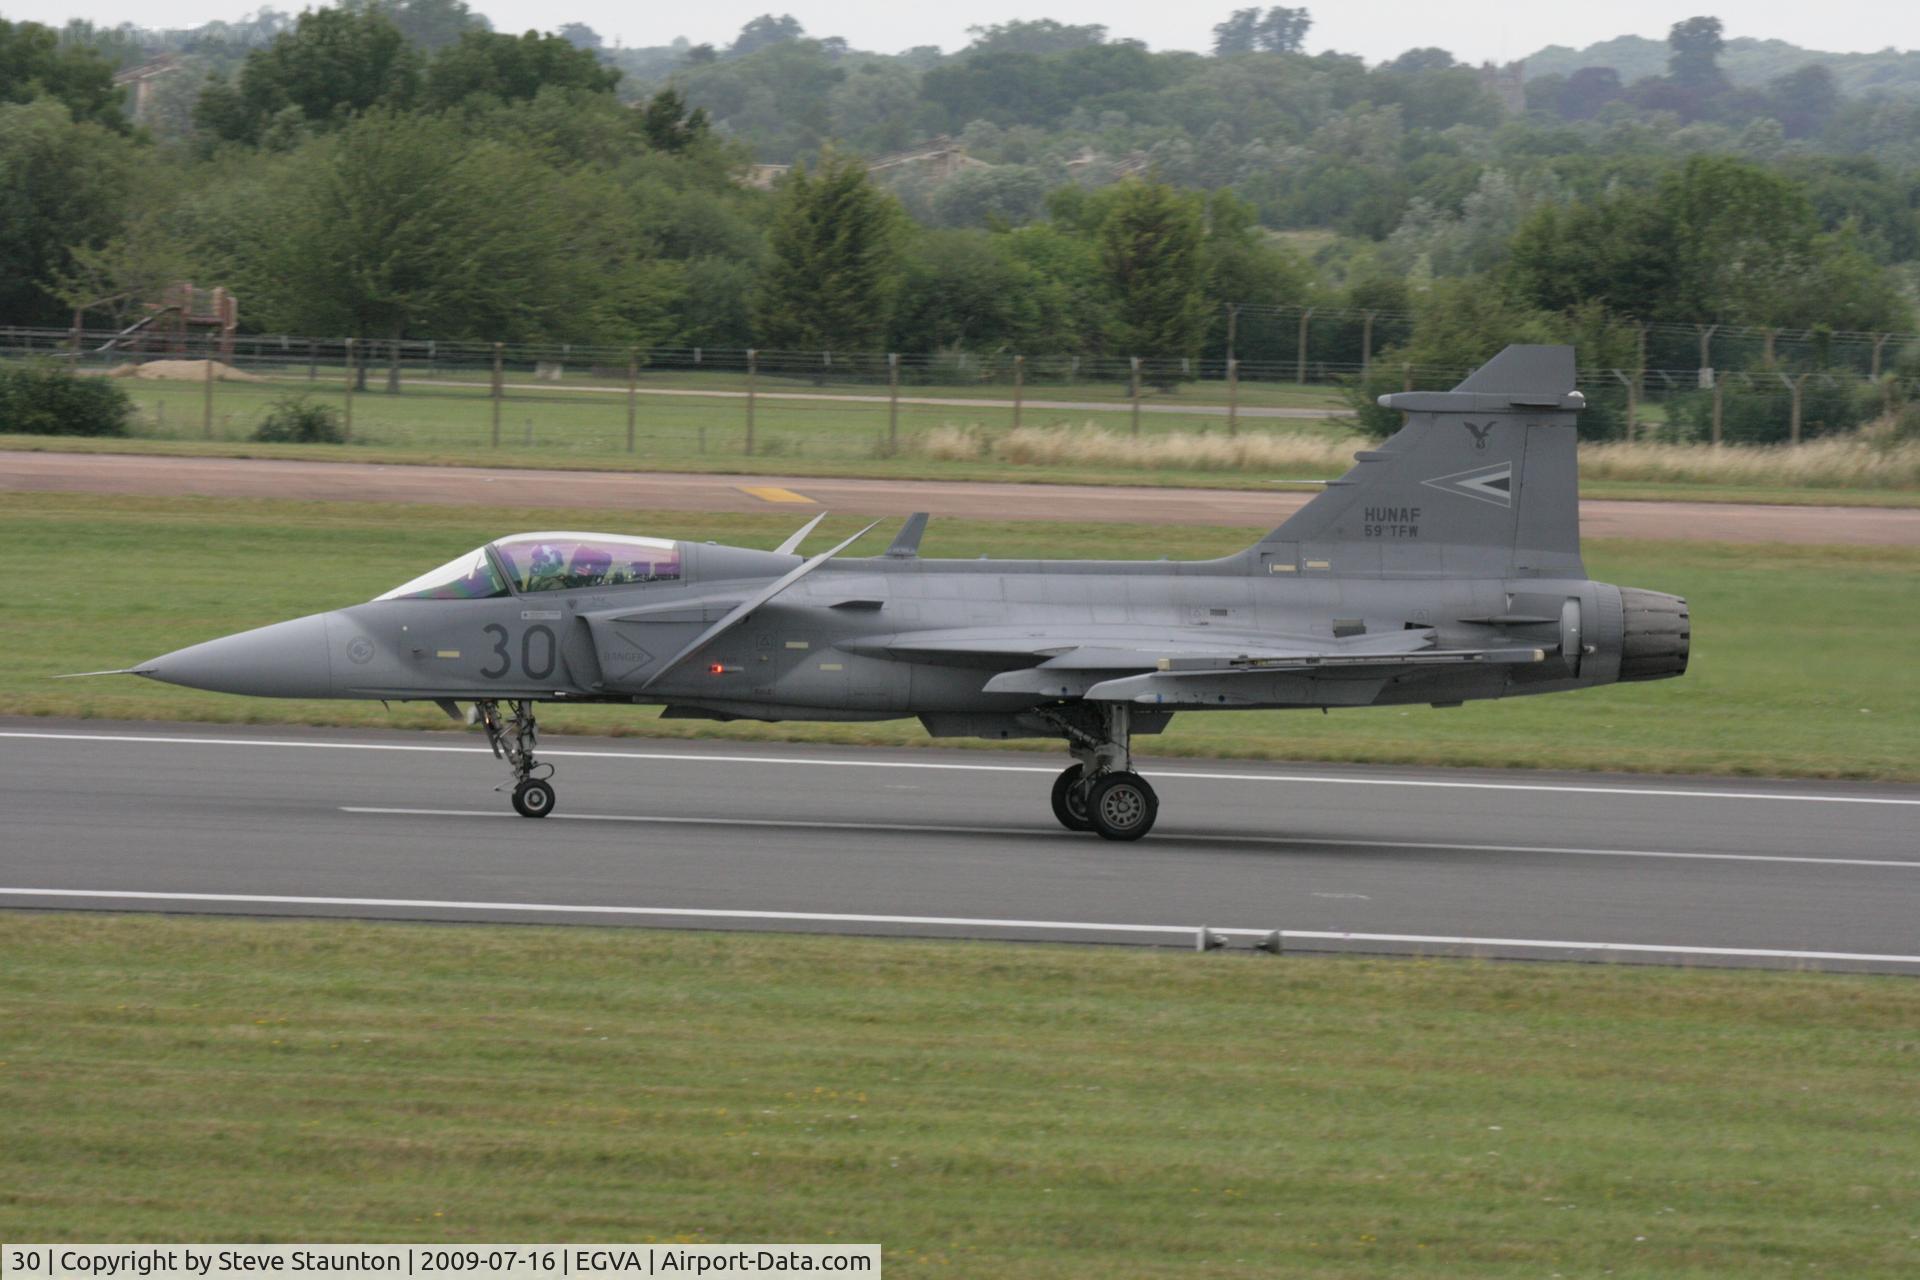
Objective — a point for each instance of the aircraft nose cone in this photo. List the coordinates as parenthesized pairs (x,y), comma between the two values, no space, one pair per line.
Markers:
(285,660)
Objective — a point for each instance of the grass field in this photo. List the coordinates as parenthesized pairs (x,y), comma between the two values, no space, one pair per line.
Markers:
(979,1109)
(1802,655)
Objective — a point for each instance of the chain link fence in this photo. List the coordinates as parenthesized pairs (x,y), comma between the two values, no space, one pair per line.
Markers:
(463,399)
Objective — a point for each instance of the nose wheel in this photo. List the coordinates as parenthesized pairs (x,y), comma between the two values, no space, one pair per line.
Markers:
(513,738)
(533,798)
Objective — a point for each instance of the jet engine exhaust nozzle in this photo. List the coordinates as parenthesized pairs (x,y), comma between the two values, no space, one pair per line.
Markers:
(1656,635)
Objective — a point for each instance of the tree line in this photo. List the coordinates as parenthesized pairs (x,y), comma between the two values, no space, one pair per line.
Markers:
(400,170)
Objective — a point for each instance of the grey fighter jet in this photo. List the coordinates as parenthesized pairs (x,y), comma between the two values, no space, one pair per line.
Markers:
(1444,566)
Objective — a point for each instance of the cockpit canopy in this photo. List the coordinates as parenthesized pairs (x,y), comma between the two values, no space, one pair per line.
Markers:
(546,562)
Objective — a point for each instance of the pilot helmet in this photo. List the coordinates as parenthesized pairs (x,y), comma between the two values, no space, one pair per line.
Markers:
(545,561)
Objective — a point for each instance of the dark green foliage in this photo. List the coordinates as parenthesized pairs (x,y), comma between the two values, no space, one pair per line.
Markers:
(512,69)
(1151,250)
(298,420)
(667,123)
(333,65)
(1278,30)
(832,265)
(764,31)
(61,184)
(33,64)
(1757,409)
(44,399)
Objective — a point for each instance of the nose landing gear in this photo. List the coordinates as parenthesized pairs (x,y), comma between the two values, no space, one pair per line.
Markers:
(1101,793)
(513,739)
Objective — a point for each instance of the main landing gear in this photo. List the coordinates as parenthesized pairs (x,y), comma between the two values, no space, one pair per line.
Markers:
(512,739)
(1100,792)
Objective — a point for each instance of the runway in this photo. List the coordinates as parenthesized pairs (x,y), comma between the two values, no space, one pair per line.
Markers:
(55,472)
(282,822)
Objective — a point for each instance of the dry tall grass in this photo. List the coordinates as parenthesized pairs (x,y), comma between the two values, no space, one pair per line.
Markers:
(1288,453)
(1874,458)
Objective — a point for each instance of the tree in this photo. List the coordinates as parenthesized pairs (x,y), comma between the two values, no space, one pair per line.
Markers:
(1587,90)
(429,25)
(832,261)
(667,123)
(1804,101)
(404,226)
(1279,30)
(580,35)
(1040,37)
(1151,252)
(335,64)
(1693,60)
(961,291)
(512,69)
(764,31)
(63,184)
(34,65)
(1427,59)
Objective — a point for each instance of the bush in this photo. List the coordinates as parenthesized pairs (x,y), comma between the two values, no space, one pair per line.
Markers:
(1760,411)
(50,400)
(297,420)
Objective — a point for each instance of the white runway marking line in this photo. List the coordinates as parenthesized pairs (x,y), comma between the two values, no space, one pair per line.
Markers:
(1674,793)
(951,922)
(907,828)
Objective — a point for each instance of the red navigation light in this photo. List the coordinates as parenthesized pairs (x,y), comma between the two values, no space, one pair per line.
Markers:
(716,669)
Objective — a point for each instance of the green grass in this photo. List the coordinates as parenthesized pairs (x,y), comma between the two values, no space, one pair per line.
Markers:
(708,438)
(1802,655)
(979,1109)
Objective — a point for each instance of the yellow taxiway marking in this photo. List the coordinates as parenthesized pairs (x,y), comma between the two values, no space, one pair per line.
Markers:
(773,493)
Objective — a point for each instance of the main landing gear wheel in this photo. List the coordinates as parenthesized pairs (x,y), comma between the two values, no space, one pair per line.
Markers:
(1121,806)
(533,798)
(1070,799)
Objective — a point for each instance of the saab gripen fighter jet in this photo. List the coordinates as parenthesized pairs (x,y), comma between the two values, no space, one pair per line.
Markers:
(1445,566)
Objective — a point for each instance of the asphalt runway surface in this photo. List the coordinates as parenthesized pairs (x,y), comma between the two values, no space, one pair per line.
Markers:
(53,472)
(938,843)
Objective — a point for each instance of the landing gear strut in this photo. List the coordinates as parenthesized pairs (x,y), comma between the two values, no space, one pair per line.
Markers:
(512,739)
(1101,792)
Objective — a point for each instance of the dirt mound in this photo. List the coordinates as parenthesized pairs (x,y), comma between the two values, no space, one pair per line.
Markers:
(183,371)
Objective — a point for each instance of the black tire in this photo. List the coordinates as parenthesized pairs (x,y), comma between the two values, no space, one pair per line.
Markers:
(1070,800)
(1122,806)
(533,799)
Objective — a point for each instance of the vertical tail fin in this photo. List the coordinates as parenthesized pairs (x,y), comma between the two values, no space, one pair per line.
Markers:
(1480,482)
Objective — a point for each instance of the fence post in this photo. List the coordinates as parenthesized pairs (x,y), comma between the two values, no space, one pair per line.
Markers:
(1706,349)
(346,428)
(1796,389)
(499,387)
(206,415)
(1233,326)
(753,367)
(1300,370)
(1719,403)
(1019,387)
(633,392)
(1879,345)
(1366,342)
(1633,400)
(1133,367)
(1233,397)
(1767,355)
(893,403)
(76,339)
